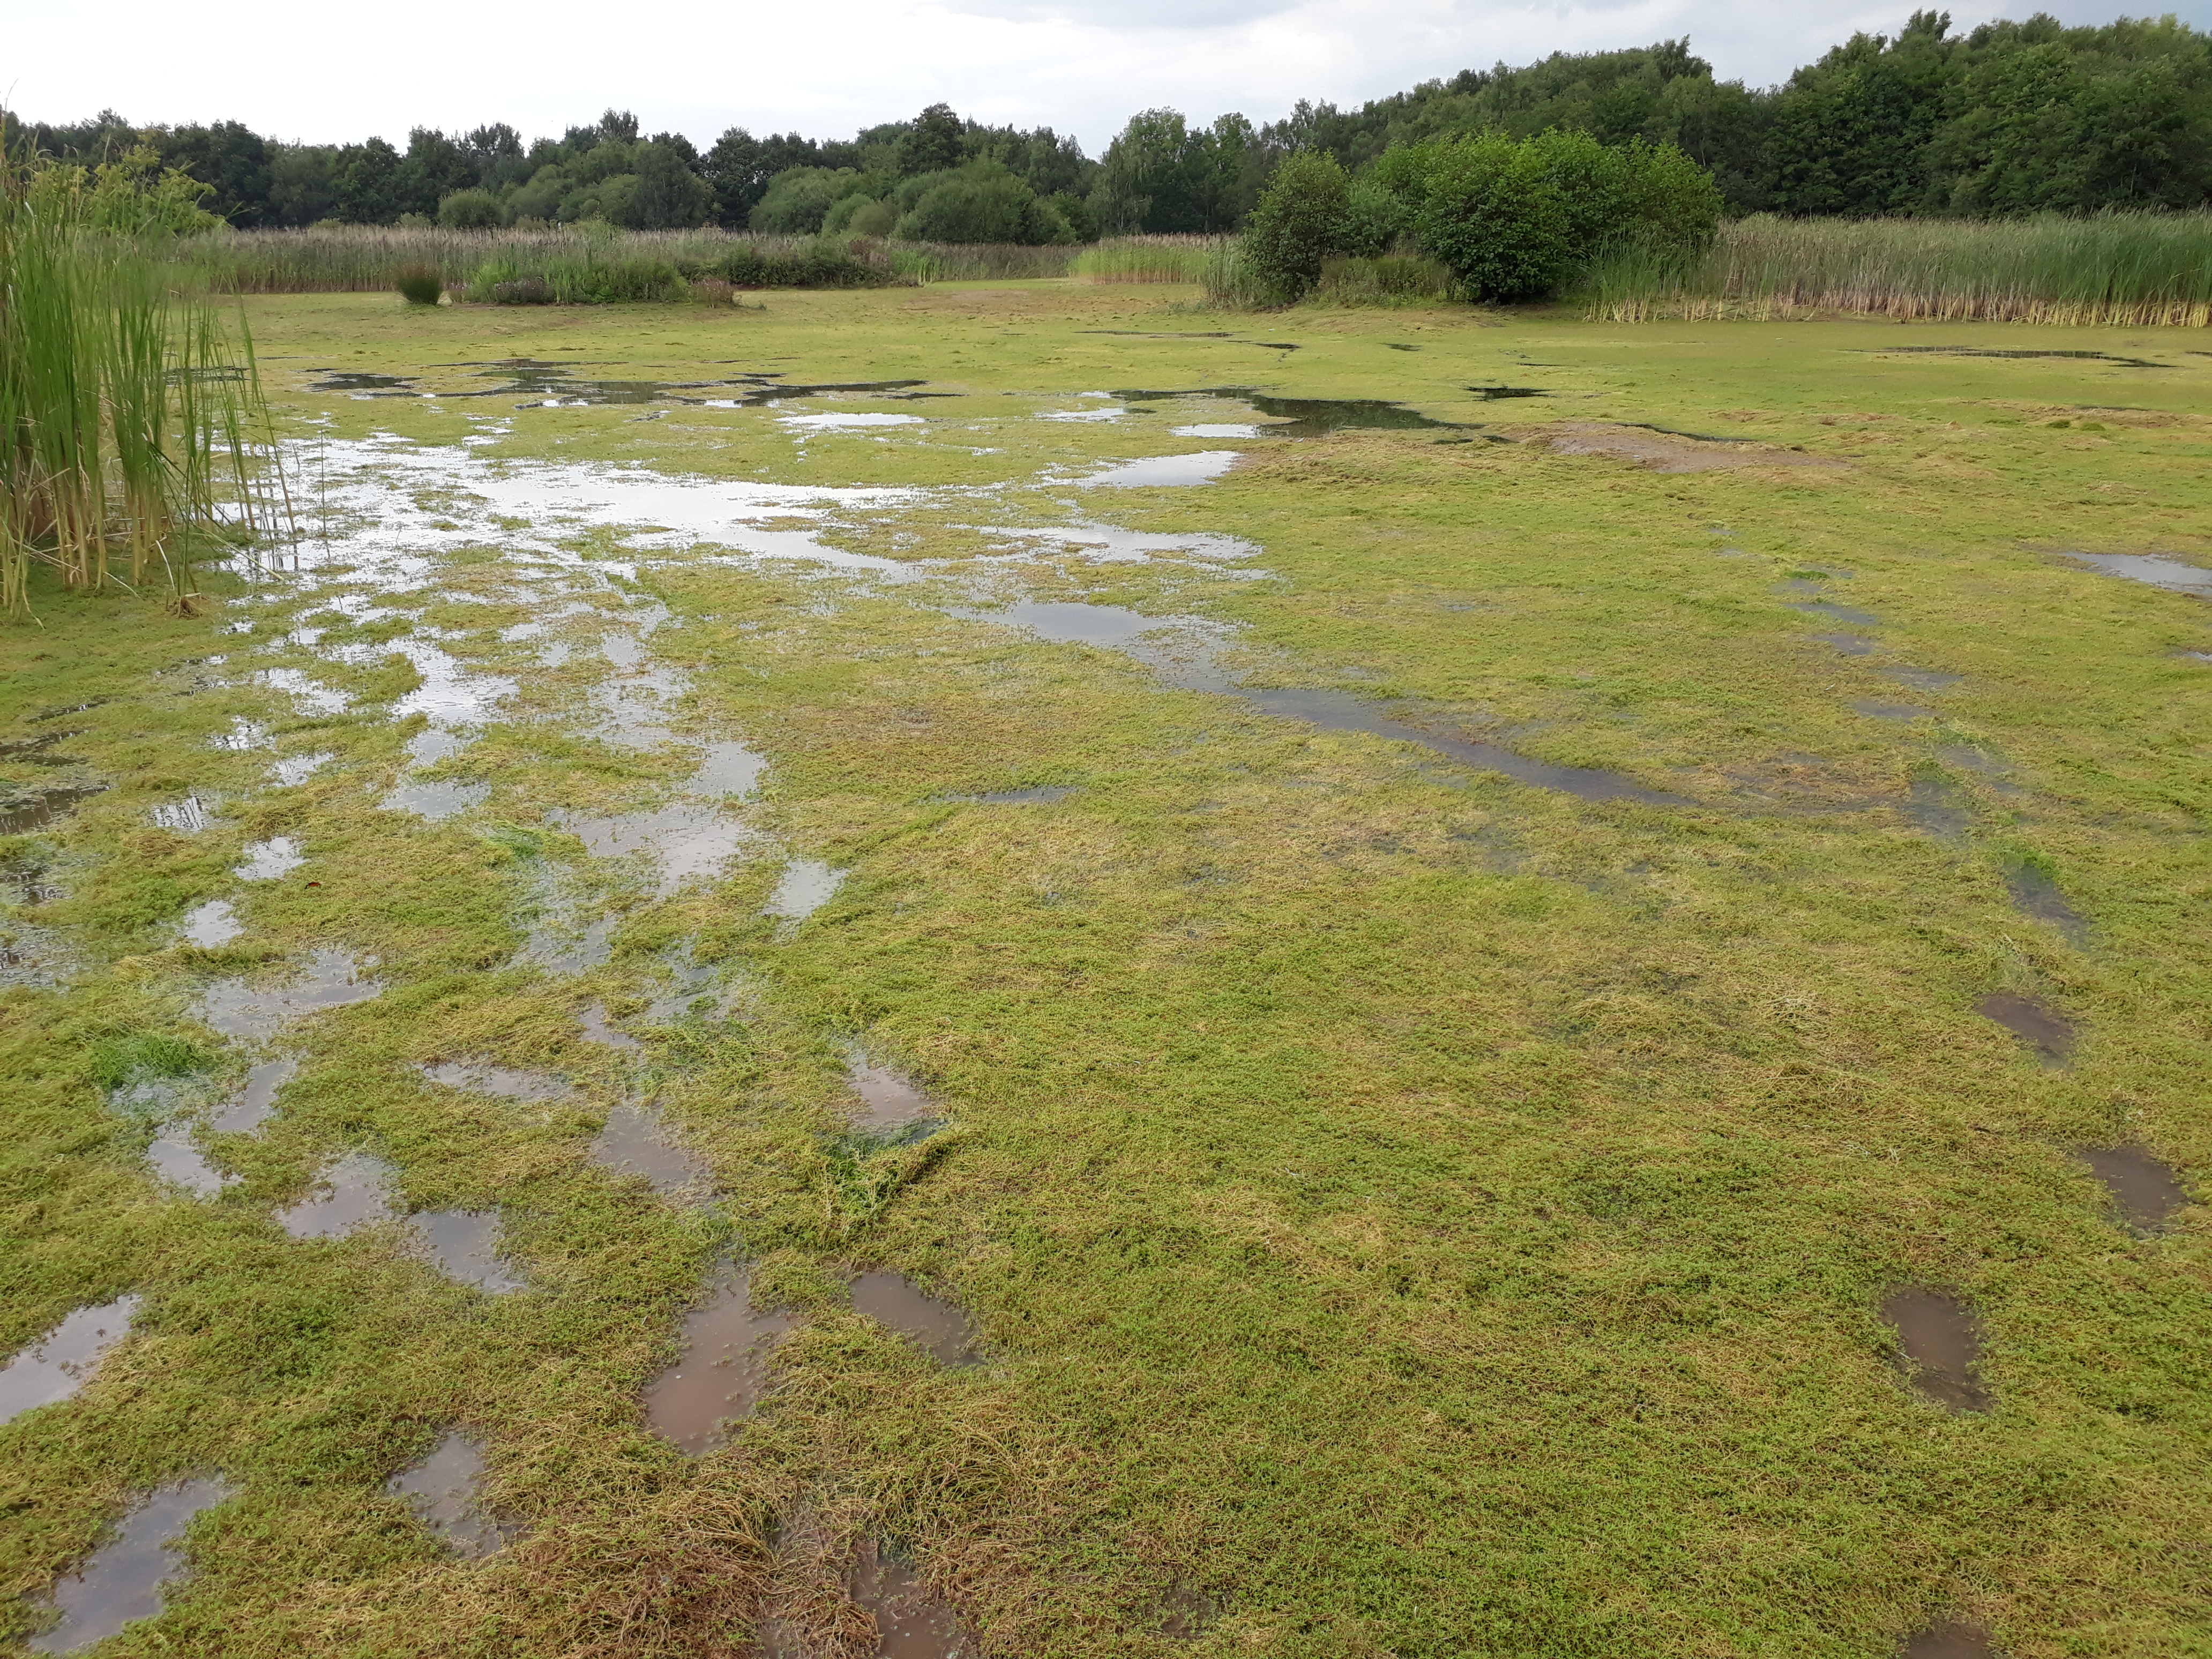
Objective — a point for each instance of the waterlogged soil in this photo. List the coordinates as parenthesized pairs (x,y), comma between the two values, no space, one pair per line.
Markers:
(2041,1027)
(910,1623)
(1378,911)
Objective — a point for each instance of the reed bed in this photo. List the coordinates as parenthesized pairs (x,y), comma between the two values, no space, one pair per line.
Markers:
(368,258)
(2128,269)
(135,433)
(1149,259)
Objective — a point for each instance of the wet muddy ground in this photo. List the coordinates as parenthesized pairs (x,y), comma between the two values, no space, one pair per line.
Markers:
(919,1007)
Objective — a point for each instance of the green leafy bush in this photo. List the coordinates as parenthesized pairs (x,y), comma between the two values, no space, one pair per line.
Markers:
(1298,221)
(823,265)
(470,210)
(419,284)
(1513,220)
(982,204)
(1387,279)
(799,198)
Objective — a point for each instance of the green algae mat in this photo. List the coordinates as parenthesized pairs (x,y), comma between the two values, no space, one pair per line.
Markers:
(1019,970)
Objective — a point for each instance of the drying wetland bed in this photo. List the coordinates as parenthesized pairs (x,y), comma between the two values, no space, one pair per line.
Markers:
(1001,971)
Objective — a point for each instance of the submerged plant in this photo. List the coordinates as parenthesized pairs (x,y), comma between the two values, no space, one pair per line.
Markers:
(133,426)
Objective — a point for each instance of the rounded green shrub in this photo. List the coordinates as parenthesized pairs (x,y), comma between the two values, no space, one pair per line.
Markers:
(470,210)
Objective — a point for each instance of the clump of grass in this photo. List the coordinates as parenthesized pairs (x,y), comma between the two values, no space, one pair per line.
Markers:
(117,1061)
(132,427)
(1232,285)
(589,277)
(2130,269)
(419,284)
(1148,260)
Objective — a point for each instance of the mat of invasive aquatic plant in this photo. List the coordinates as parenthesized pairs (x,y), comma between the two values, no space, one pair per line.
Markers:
(1016,971)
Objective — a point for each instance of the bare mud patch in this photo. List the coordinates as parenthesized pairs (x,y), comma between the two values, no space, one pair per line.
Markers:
(1667,451)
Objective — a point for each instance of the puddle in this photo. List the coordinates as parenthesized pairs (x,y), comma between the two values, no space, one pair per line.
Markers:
(1044,794)
(939,1328)
(1334,711)
(257,1103)
(886,1099)
(2156,570)
(482,1078)
(1940,1343)
(683,838)
(1203,466)
(296,769)
(1851,644)
(910,1622)
(188,816)
(1922,679)
(1068,622)
(435,801)
(350,1195)
(1932,805)
(1991,351)
(429,747)
(1222,429)
(2040,1026)
(176,1160)
(2034,893)
(267,860)
(30,751)
(1833,612)
(466,1245)
(2146,1190)
(445,1490)
(1491,394)
(636,1142)
(334,979)
(65,1359)
(1949,1640)
(1668,452)
(1889,711)
(727,769)
(122,1579)
(358,384)
(211,926)
(593,1019)
(25,814)
(834,421)
(806,885)
(311,696)
(1310,417)
(723,1370)
(1107,414)
(559,947)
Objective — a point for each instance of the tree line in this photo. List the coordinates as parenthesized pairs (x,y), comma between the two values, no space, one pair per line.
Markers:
(2008,119)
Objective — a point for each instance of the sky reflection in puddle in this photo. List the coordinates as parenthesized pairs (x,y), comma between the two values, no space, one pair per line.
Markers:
(333,980)
(910,1622)
(257,1103)
(351,1194)
(481,1076)
(122,1580)
(466,1245)
(446,1491)
(2155,568)
(210,926)
(266,860)
(804,887)
(65,1359)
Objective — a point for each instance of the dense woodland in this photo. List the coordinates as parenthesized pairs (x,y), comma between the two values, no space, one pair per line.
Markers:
(2010,118)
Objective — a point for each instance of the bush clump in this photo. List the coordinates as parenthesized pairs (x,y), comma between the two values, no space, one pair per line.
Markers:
(589,278)
(1301,218)
(419,284)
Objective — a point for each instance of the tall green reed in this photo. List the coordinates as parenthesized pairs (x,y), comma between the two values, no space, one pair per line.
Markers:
(2130,269)
(133,433)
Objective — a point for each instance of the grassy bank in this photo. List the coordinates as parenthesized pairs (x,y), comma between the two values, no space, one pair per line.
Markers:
(1403,1211)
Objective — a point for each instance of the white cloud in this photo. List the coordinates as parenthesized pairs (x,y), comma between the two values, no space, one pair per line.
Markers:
(333,74)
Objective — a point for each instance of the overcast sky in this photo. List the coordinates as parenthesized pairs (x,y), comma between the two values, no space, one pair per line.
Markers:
(327,74)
